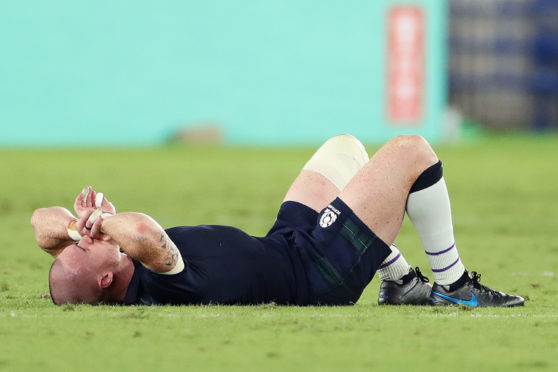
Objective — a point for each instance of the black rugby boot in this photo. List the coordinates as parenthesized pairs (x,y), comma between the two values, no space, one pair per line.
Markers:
(414,289)
(472,293)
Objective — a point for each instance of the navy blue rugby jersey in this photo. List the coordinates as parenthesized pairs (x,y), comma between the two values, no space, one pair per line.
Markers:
(222,265)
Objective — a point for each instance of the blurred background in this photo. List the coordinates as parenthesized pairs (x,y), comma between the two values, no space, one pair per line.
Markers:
(141,73)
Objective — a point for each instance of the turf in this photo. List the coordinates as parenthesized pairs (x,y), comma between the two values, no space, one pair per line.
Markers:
(505,213)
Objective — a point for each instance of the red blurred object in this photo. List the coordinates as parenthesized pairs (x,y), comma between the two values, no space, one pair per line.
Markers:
(405,65)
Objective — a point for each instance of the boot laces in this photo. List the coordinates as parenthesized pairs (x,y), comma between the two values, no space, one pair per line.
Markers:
(475,279)
(423,278)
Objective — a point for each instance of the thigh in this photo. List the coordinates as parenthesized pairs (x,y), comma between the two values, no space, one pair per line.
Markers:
(328,171)
(378,193)
(312,189)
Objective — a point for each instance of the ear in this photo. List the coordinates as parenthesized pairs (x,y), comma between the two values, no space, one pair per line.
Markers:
(105,279)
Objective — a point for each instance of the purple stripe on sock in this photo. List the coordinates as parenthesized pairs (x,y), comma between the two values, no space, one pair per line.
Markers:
(391,261)
(444,251)
(445,268)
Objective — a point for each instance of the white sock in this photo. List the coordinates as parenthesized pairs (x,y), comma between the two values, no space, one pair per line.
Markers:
(394,266)
(429,210)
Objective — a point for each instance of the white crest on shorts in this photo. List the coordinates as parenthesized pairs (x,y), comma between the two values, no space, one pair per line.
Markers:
(328,218)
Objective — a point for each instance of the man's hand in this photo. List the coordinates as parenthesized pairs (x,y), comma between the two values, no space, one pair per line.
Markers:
(88,200)
(96,232)
(103,203)
(86,203)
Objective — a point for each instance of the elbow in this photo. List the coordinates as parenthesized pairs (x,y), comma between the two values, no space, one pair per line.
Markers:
(144,233)
(36,217)
(144,225)
(36,223)
(141,228)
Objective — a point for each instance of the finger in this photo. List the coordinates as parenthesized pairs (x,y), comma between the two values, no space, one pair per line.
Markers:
(81,221)
(84,194)
(80,225)
(77,202)
(93,218)
(99,200)
(91,197)
(96,228)
(108,207)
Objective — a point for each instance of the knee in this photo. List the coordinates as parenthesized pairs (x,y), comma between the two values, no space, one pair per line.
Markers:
(348,146)
(414,148)
(339,159)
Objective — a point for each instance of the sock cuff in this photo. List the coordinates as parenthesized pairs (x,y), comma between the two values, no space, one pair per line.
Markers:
(394,266)
(428,178)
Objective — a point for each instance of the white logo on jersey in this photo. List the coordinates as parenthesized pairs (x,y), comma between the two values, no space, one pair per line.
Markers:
(328,218)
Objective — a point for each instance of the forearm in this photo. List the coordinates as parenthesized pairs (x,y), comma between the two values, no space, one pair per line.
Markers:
(50,226)
(142,238)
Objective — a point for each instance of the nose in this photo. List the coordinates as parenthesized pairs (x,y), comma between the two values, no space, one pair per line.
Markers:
(85,240)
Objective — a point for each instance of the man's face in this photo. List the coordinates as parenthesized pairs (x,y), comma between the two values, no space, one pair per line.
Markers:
(91,255)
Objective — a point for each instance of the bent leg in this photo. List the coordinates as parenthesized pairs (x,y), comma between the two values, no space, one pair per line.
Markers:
(428,207)
(329,170)
(378,193)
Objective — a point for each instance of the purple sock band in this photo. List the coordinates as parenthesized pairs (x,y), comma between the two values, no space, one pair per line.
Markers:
(391,261)
(445,268)
(441,252)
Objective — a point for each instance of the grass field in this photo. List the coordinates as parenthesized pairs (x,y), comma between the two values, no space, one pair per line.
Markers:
(505,204)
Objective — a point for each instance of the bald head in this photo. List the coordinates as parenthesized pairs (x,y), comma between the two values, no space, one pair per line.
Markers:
(72,285)
(85,271)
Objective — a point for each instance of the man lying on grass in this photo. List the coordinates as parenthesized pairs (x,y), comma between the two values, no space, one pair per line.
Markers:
(333,232)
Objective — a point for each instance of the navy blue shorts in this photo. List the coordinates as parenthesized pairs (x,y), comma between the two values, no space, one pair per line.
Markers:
(333,251)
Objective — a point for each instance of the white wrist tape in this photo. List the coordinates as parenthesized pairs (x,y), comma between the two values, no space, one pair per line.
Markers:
(74,235)
(339,159)
(72,231)
(95,215)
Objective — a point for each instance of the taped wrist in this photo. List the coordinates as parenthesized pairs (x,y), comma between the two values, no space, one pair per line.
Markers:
(72,231)
(98,213)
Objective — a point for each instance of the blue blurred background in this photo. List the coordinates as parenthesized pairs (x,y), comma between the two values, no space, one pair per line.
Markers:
(77,73)
(503,62)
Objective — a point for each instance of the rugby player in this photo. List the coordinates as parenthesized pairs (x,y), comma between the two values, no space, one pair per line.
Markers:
(334,230)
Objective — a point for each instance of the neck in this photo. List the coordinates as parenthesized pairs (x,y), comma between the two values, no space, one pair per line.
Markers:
(116,292)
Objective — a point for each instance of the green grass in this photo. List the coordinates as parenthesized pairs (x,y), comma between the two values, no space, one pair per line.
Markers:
(505,204)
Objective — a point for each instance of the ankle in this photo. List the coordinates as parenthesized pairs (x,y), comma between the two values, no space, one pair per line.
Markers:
(464,278)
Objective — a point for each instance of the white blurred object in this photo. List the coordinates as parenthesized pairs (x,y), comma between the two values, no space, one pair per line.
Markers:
(452,122)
